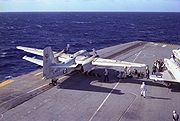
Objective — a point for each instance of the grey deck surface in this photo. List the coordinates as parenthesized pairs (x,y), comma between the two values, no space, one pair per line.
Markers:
(85,98)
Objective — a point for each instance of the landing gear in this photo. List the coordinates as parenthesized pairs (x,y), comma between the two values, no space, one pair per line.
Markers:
(167,84)
(53,82)
(81,69)
(65,71)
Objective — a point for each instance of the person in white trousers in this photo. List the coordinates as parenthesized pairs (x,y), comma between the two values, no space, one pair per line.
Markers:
(175,116)
(143,89)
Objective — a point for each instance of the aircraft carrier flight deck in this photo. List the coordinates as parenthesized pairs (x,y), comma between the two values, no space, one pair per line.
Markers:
(79,97)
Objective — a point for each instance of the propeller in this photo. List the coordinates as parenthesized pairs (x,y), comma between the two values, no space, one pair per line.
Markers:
(66,50)
(94,52)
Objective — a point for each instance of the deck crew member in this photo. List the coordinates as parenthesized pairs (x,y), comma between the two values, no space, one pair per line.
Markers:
(157,65)
(175,116)
(154,68)
(161,64)
(125,71)
(147,72)
(129,74)
(143,89)
(135,72)
(173,56)
(106,78)
(119,75)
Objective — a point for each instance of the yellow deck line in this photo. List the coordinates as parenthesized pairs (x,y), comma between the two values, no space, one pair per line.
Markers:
(38,74)
(168,44)
(6,83)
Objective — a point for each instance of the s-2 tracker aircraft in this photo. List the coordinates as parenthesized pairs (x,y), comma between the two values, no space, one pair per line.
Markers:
(59,63)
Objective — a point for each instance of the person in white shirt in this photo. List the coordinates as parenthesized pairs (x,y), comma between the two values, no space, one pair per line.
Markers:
(143,89)
(175,116)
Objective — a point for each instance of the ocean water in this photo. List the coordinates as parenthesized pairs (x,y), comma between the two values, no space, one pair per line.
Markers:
(81,30)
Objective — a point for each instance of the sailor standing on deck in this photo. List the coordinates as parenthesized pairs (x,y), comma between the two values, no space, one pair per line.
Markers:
(175,116)
(106,78)
(147,72)
(143,89)
(125,71)
(173,56)
(154,68)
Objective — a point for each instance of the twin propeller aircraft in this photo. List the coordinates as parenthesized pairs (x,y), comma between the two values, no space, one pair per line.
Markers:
(59,63)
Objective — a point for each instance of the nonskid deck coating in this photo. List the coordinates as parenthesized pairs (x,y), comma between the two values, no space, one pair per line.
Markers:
(85,98)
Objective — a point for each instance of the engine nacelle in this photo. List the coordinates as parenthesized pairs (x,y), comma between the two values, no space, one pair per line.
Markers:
(85,68)
(85,63)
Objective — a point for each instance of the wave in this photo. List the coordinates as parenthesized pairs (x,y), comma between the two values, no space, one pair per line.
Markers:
(3,54)
(81,22)
(39,26)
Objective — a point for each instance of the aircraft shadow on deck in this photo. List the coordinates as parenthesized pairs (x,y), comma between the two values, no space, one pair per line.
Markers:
(173,88)
(80,81)
(139,81)
(83,82)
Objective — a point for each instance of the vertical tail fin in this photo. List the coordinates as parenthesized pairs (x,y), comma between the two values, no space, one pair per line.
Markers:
(48,60)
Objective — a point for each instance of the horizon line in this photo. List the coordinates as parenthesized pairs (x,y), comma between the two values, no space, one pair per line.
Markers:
(93,11)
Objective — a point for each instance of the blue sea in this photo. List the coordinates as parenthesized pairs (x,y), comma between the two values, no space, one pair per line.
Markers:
(82,30)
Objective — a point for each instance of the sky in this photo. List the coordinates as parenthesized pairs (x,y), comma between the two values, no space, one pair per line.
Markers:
(90,5)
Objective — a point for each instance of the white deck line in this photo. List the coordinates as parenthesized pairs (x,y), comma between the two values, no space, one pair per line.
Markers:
(103,102)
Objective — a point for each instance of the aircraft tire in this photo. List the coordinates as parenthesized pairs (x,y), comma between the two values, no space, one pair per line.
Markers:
(54,82)
(64,71)
(167,84)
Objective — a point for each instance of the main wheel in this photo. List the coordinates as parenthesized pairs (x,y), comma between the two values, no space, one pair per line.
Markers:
(54,82)
(65,71)
(167,84)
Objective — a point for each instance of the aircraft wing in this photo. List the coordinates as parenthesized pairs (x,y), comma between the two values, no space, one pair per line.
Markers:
(40,62)
(165,76)
(32,50)
(34,60)
(110,62)
(159,78)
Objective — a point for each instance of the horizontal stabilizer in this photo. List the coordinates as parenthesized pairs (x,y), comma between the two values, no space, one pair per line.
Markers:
(32,50)
(33,60)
